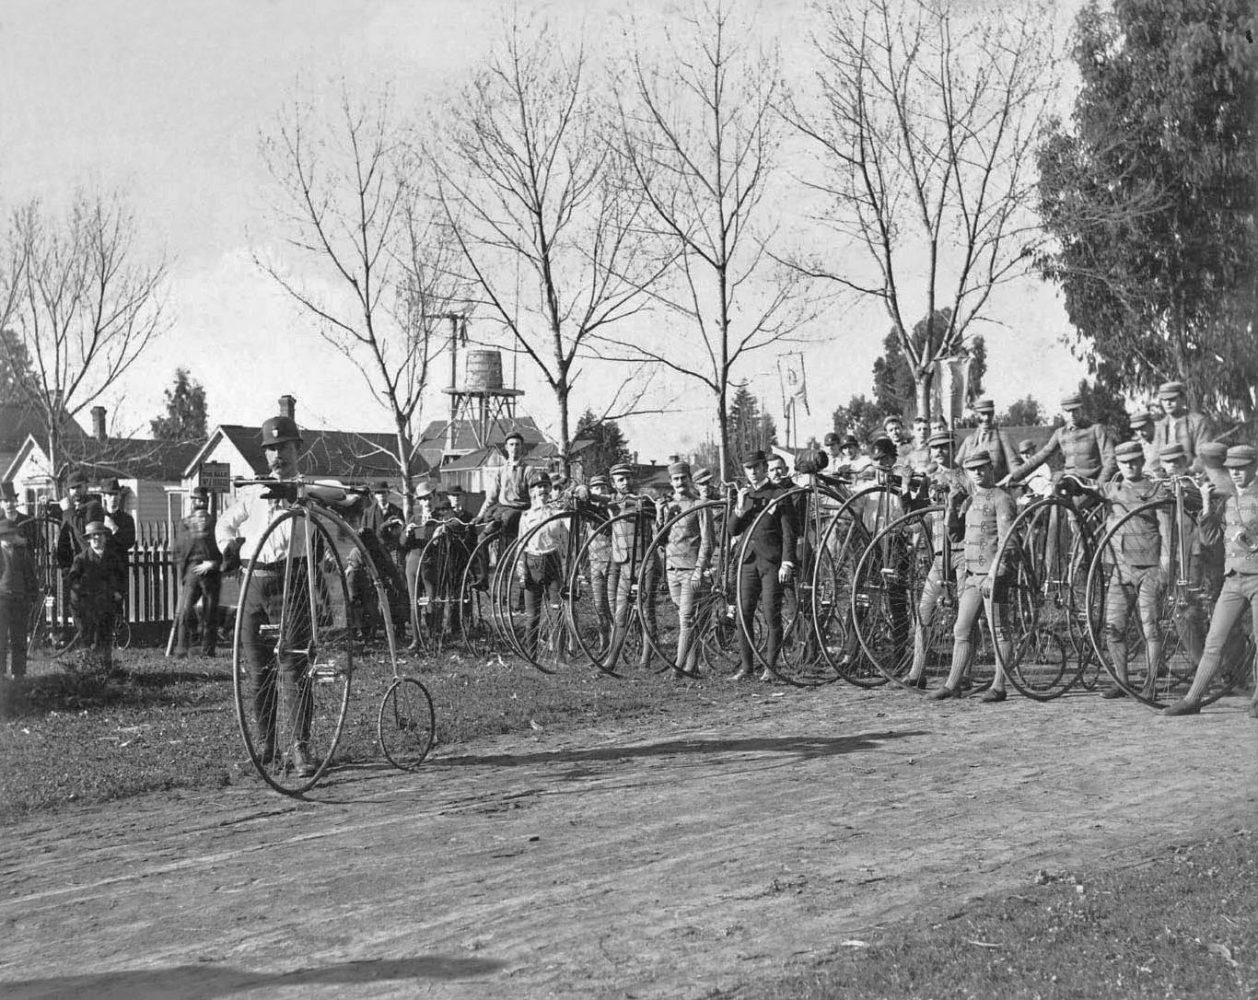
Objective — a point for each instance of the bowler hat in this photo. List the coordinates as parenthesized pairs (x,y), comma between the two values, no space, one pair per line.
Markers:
(279,430)
(832,438)
(455,490)
(1129,450)
(77,478)
(199,493)
(1240,456)
(382,487)
(110,486)
(95,528)
(423,489)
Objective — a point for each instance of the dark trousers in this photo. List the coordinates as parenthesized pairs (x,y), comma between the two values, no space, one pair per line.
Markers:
(14,616)
(198,588)
(278,688)
(543,579)
(758,584)
(96,630)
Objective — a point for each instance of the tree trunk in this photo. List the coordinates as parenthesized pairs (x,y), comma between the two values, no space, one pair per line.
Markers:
(722,427)
(923,384)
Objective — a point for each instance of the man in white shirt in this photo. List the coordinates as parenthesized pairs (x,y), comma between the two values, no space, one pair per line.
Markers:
(277,687)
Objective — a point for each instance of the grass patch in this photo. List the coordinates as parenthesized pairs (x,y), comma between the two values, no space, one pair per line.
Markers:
(67,737)
(1184,925)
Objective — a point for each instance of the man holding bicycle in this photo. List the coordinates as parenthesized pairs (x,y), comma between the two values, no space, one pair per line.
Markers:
(1236,521)
(277,686)
(687,553)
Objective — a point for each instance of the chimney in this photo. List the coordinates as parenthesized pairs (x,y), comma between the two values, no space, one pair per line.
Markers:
(98,424)
(288,407)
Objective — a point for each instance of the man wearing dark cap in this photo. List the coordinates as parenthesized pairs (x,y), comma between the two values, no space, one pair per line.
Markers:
(78,508)
(850,463)
(1087,448)
(598,554)
(1236,522)
(95,594)
(1189,429)
(767,561)
(540,566)
(121,525)
(276,683)
(1141,553)
(1141,424)
(687,554)
(199,564)
(630,541)
(986,518)
(507,493)
(989,438)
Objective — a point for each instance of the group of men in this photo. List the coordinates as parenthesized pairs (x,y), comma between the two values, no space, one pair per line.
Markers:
(91,553)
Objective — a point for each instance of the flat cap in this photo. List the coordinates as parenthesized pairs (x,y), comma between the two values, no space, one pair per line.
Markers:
(514,434)
(984,405)
(851,441)
(1172,453)
(599,481)
(620,469)
(1139,418)
(1026,444)
(1240,456)
(1128,451)
(702,476)
(892,418)
(941,439)
(751,458)
(832,438)
(1072,402)
(537,479)
(1212,454)
(679,469)
(1169,389)
(978,460)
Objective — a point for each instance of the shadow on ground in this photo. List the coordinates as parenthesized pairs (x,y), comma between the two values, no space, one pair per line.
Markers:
(209,980)
(801,747)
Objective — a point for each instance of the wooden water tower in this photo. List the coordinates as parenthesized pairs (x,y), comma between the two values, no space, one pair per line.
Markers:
(481,401)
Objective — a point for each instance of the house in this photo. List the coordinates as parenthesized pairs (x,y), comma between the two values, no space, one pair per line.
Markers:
(23,432)
(445,441)
(146,467)
(355,458)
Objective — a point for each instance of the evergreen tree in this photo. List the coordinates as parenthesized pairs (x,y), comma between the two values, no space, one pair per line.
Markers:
(184,419)
(609,445)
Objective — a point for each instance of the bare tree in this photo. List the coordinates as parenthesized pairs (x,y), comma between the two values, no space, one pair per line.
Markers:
(82,304)
(549,228)
(351,207)
(699,132)
(925,134)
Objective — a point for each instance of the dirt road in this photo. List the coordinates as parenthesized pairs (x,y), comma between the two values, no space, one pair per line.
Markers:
(633,862)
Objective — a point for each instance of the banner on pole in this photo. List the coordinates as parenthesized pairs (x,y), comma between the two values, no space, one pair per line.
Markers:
(793,380)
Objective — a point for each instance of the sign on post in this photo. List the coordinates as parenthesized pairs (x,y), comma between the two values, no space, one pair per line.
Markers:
(215,477)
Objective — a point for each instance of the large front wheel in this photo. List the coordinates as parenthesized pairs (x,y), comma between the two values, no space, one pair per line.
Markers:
(293,653)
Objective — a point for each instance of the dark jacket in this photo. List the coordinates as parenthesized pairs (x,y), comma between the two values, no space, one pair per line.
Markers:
(776,532)
(18,582)
(70,542)
(93,582)
(195,542)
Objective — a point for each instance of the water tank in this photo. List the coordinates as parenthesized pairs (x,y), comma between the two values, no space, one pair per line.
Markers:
(483,372)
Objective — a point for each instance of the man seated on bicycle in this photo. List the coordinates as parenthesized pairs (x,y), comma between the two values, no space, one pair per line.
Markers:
(983,521)
(1039,484)
(507,494)
(540,567)
(277,686)
(687,553)
(96,582)
(767,562)
(1236,522)
(1087,448)
(1141,556)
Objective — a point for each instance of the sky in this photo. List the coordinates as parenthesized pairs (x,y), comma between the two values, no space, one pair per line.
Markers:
(166,102)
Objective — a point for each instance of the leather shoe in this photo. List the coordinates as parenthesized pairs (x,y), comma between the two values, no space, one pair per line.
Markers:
(916,682)
(1183,707)
(304,764)
(992,695)
(1113,691)
(766,677)
(742,675)
(943,694)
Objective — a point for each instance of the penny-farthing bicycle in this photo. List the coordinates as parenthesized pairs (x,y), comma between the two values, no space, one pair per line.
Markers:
(299,647)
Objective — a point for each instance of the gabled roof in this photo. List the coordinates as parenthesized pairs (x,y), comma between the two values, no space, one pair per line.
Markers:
(324,454)
(433,438)
(18,421)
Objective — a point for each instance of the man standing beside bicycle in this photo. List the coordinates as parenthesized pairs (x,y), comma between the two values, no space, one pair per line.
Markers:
(1141,553)
(983,520)
(1236,521)
(199,562)
(540,568)
(276,685)
(767,563)
(631,530)
(687,554)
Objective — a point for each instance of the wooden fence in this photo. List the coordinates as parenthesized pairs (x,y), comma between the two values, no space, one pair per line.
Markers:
(152,580)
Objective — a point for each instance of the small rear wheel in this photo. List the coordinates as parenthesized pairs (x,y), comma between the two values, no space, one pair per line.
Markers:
(407,723)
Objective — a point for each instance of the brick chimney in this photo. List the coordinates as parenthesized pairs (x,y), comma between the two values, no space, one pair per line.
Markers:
(98,424)
(288,407)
